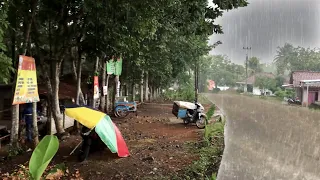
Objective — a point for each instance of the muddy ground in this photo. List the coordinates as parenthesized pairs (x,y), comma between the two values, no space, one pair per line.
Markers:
(158,142)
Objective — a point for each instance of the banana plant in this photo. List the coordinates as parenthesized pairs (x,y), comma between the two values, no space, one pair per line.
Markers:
(42,155)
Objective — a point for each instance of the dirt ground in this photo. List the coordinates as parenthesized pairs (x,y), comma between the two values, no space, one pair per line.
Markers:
(157,141)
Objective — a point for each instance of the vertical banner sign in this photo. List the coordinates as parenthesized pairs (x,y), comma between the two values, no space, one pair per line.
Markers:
(118,65)
(26,86)
(110,66)
(211,85)
(118,89)
(105,90)
(95,87)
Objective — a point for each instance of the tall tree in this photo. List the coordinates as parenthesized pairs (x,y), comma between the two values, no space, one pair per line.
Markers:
(254,65)
(284,56)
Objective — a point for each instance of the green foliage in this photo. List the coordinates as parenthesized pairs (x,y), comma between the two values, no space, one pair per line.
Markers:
(42,155)
(214,176)
(5,62)
(254,65)
(296,58)
(211,111)
(14,151)
(210,154)
(264,82)
(182,94)
(240,90)
(215,90)
(289,93)
(220,69)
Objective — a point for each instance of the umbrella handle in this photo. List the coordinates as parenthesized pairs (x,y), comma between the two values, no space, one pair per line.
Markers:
(75,148)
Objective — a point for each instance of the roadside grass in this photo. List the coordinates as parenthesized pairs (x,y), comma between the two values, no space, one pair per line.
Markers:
(209,150)
(210,155)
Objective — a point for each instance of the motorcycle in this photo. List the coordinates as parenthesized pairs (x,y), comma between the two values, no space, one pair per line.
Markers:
(190,113)
(295,101)
(91,142)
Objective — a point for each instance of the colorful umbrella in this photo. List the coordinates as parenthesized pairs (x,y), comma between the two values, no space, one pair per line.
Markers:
(104,127)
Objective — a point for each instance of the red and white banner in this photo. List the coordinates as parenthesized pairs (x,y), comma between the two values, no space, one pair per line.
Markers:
(211,85)
(95,87)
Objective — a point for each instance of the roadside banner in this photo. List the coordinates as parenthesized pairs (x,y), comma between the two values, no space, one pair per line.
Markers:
(110,66)
(211,85)
(26,90)
(95,87)
(118,67)
(105,90)
(118,89)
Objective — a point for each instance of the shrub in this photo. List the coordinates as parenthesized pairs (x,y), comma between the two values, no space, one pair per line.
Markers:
(216,90)
(240,90)
(182,94)
(284,93)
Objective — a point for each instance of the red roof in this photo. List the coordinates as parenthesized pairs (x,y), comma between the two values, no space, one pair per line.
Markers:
(298,76)
(252,78)
(66,91)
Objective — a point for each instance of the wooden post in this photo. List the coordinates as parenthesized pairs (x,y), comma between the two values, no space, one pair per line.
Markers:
(307,95)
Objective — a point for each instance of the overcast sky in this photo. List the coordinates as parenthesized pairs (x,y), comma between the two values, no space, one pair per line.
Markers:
(266,24)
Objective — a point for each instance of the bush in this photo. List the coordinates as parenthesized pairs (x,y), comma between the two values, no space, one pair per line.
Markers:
(182,94)
(240,90)
(216,90)
(284,93)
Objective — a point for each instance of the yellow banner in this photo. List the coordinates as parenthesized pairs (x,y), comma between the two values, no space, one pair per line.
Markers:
(26,86)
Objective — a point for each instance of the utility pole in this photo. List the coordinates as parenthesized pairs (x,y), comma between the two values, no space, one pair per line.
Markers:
(247,49)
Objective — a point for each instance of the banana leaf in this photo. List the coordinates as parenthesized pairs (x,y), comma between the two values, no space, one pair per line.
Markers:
(42,155)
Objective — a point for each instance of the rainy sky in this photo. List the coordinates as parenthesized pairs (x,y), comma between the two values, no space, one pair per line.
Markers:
(266,24)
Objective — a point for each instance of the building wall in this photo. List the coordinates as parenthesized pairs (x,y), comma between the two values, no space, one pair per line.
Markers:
(257,91)
(305,94)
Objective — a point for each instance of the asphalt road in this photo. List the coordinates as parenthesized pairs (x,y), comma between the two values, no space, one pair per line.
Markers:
(268,140)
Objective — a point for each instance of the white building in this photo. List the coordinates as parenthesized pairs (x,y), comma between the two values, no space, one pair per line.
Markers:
(254,89)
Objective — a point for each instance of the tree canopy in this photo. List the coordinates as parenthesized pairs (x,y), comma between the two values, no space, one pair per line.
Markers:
(290,58)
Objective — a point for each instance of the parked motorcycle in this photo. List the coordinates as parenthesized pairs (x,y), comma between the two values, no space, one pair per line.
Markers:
(190,113)
(295,101)
(91,142)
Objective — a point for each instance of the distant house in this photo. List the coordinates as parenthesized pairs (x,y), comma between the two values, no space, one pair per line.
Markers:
(306,85)
(254,89)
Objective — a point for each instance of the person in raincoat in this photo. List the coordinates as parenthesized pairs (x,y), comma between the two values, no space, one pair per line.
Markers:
(27,117)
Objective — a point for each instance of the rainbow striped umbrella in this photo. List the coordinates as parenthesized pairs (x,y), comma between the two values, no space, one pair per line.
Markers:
(103,125)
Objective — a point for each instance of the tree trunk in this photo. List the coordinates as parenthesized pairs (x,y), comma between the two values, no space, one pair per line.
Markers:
(96,66)
(14,137)
(35,125)
(79,69)
(75,76)
(133,91)
(151,93)
(55,98)
(49,118)
(147,86)
(141,88)
(103,80)
(157,93)
(76,124)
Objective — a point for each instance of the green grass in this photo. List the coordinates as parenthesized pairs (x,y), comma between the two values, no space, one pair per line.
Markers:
(210,154)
